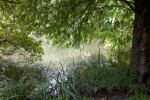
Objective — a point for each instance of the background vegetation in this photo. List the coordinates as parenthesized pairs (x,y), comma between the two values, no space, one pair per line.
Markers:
(78,72)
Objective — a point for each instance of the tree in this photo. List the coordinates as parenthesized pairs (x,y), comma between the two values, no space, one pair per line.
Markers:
(72,22)
(14,37)
(140,53)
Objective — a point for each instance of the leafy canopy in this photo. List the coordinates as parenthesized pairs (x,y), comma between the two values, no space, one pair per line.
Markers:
(14,36)
(67,22)
(71,22)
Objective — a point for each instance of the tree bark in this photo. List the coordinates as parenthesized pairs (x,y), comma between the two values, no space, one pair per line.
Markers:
(140,52)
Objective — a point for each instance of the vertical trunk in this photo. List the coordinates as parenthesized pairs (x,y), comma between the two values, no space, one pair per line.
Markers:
(140,53)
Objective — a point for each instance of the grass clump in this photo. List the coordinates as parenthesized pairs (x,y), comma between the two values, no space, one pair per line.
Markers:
(30,87)
(12,89)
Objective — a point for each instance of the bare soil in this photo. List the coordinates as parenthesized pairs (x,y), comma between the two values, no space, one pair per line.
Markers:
(108,95)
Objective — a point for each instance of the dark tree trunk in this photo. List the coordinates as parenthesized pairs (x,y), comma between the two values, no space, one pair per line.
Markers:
(140,53)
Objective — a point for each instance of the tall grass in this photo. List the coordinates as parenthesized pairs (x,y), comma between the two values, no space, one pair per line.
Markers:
(98,75)
(29,87)
(12,89)
(90,76)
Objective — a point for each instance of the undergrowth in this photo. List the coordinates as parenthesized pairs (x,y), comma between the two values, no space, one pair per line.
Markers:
(29,87)
(92,76)
(140,96)
(96,76)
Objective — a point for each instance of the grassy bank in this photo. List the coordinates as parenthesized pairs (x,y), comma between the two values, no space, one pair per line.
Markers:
(85,80)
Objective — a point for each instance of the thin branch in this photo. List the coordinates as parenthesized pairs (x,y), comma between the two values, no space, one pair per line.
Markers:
(130,4)
(15,45)
(4,41)
(10,1)
(74,4)
(80,2)
(112,6)
(117,6)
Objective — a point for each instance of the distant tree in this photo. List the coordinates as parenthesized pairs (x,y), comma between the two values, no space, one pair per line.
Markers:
(72,22)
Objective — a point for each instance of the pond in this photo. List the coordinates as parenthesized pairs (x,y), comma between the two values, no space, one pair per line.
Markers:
(58,55)
(55,55)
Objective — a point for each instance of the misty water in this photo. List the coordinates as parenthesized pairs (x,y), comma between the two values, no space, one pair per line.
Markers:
(56,60)
(59,55)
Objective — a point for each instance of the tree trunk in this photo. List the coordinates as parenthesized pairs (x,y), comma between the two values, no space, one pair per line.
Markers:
(140,53)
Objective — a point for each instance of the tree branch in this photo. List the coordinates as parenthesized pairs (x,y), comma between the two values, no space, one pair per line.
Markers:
(80,2)
(112,6)
(130,4)
(74,4)
(4,41)
(10,1)
(16,46)
(117,6)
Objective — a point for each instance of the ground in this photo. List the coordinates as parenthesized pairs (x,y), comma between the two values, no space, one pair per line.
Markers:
(108,95)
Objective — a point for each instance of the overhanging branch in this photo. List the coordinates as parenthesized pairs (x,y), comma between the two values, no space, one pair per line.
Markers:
(4,41)
(130,4)
(10,1)
(117,6)
(106,6)
(74,4)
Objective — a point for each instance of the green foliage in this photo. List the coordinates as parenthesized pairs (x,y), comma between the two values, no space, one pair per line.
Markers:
(93,76)
(78,21)
(68,22)
(65,86)
(139,97)
(119,45)
(14,37)
(93,99)
(11,89)
(71,22)
(12,72)
(98,76)
(138,88)
(29,86)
